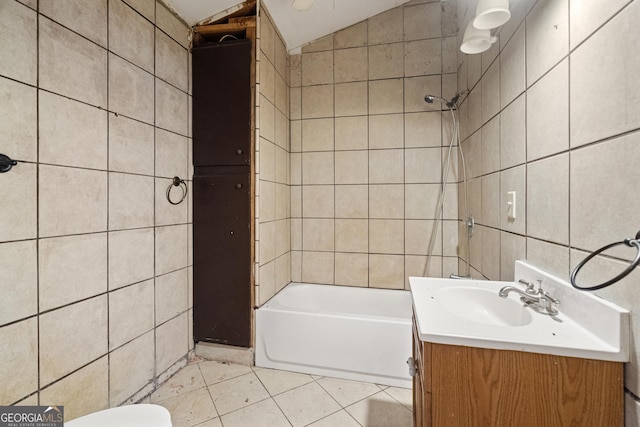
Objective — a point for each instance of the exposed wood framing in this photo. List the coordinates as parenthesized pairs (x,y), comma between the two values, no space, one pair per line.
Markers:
(251,34)
(234,26)
(244,9)
(235,21)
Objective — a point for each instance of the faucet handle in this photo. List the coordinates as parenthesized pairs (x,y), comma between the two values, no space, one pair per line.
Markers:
(549,298)
(544,295)
(530,286)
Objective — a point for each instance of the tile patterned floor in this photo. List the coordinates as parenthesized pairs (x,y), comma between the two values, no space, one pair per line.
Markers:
(214,394)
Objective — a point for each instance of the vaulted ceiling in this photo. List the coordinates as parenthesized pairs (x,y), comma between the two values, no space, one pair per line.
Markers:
(297,27)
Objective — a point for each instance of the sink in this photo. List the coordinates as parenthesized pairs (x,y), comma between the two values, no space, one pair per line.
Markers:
(483,306)
(470,313)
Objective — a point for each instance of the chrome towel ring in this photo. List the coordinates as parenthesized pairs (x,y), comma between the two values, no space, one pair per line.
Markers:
(628,242)
(177,182)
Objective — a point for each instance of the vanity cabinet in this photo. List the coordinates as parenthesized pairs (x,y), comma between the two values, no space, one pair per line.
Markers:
(468,386)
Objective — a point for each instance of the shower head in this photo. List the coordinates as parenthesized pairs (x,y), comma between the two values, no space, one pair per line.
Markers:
(450,104)
(430,98)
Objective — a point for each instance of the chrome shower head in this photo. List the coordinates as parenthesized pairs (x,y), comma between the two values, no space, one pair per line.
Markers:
(453,104)
(430,98)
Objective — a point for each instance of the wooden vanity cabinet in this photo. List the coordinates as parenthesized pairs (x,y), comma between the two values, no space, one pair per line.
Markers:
(467,386)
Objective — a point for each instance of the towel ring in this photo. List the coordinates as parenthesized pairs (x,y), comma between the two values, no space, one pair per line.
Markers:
(629,242)
(177,182)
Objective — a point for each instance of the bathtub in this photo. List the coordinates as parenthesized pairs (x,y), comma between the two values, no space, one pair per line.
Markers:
(361,334)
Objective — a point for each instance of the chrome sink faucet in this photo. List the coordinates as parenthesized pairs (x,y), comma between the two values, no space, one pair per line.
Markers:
(539,299)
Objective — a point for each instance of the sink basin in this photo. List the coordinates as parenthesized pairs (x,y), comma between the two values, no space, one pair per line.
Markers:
(470,313)
(483,306)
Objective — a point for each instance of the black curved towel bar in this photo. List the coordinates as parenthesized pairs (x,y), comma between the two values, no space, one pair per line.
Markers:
(631,242)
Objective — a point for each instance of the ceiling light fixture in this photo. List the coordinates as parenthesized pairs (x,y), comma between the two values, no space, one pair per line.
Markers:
(302,5)
(475,40)
(491,14)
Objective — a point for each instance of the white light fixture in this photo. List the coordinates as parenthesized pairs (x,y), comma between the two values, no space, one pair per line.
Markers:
(302,5)
(491,14)
(475,40)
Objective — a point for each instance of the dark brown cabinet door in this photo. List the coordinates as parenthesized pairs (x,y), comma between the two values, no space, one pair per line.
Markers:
(222,258)
(222,214)
(222,103)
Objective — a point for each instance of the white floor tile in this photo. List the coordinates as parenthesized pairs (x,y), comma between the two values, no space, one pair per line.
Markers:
(381,410)
(306,404)
(262,414)
(237,393)
(187,379)
(402,395)
(239,396)
(215,372)
(211,423)
(190,409)
(339,419)
(347,392)
(278,382)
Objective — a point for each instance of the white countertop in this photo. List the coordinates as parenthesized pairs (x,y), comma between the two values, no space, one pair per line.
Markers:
(586,326)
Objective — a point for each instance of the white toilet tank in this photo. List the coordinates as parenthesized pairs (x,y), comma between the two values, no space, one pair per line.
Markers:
(142,415)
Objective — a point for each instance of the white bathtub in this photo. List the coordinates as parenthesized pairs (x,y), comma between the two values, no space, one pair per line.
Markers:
(361,334)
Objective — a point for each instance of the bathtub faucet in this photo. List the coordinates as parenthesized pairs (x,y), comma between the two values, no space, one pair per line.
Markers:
(539,300)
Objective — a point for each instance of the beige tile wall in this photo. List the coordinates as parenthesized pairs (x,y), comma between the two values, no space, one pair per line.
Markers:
(569,138)
(95,262)
(366,149)
(273,196)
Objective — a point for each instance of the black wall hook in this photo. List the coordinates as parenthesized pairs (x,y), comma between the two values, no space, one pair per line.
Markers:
(6,163)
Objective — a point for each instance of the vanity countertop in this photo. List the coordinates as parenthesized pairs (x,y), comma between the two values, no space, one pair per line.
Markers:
(463,312)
